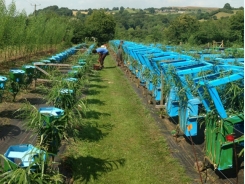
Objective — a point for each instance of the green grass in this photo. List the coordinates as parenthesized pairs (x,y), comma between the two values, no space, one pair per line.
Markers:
(131,10)
(222,14)
(120,141)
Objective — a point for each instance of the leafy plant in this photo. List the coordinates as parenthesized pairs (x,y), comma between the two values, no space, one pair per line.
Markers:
(50,134)
(155,80)
(146,74)
(41,170)
(134,64)
(14,89)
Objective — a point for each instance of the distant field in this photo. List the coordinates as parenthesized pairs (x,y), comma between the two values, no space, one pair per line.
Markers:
(166,13)
(75,12)
(223,14)
(131,10)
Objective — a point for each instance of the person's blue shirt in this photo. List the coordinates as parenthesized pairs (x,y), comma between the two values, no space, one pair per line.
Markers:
(102,50)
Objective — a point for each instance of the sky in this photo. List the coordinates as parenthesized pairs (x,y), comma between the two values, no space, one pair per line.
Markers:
(29,5)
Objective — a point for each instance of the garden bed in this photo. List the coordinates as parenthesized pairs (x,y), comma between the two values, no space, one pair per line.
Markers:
(122,137)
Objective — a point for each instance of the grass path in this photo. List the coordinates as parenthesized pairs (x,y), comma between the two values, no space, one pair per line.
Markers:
(120,142)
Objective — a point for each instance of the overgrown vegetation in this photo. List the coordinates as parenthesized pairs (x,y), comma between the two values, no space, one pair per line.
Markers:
(22,36)
(104,25)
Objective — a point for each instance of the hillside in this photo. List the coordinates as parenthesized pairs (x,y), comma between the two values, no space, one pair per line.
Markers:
(172,10)
(223,14)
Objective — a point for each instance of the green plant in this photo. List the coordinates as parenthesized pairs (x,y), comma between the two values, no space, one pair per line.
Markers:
(135,64)
(23,36)
(39,171)
(51,134)
(146,74)
(155,80)
(14,89)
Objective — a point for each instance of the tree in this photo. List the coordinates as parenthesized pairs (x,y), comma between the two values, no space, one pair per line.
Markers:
(237,26)
(78,31)
(90,11)
(165,20)
(181,28)
(101,26)
(227,6)
(141,11)
(53,8)
(121,9)
(80,15)
(151,10)
(64,11)
(156,34)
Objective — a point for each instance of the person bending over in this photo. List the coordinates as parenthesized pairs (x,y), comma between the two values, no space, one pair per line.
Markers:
(103,52)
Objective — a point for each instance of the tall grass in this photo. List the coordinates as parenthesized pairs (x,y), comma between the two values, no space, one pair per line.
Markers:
(22,35)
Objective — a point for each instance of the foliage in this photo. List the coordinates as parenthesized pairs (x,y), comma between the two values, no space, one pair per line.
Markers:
(55,9)
(212,30)
(23,36)
(173,28)
(138,26)
(165,28)
(121,9)
(227,6)
(78,31)
(146,74)
(182,28)
(41,170)
(52,131)
(151,10)
(237,27)
(101,26)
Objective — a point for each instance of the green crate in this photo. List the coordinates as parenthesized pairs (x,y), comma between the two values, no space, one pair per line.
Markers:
(219,151)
